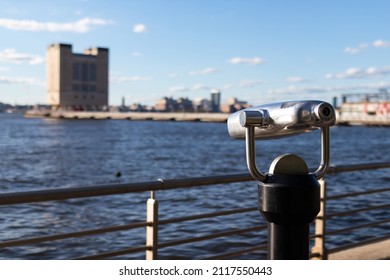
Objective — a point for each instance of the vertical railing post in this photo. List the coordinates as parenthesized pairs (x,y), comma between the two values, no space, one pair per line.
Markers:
(152,227)
(319,249)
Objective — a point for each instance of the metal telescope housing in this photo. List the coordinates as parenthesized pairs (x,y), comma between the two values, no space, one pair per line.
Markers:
(282,119)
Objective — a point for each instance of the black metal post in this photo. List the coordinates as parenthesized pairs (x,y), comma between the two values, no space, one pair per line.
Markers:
(289,203)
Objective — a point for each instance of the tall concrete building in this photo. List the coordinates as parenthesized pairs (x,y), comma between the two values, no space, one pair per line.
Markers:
(77,81)
(215,101)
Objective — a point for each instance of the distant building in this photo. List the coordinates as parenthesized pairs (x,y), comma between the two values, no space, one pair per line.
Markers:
(166,104)
(77,81)
(184,105)
(213,105)
(5,107)
(169,104)
(215,101)
(136,107)
(234,105)
(201,105)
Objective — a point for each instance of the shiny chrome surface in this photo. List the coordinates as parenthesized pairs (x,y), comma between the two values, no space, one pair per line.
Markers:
(259,176)
(251,155)
(282,119)
(325,153)
(279,120)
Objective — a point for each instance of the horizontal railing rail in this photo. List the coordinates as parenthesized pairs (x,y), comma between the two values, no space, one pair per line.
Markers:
(368,225)
(76,234)
(134,225)
(339,196)
(112,189)
(34,196)
(350,212)
(173,243)
(210,236)
(357,167)
(208,215)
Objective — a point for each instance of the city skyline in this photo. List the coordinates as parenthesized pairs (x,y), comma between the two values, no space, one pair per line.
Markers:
(258,51)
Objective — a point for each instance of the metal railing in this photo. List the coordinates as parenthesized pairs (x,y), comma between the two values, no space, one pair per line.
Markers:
(319,251)
(153,223)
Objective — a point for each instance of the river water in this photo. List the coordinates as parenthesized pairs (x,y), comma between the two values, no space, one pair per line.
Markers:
(49,153)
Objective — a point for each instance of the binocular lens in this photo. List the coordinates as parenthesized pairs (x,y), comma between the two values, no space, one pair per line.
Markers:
(326,112)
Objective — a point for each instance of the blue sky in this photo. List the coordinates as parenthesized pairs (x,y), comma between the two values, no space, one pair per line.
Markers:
(258,51)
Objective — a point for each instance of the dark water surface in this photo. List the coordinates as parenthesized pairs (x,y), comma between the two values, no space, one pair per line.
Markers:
(43,153)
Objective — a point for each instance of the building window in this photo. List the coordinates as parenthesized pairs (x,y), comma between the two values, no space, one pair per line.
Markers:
(76,71)
(92,72)
(92,88)
(76,87)
(84,88)
(84,72)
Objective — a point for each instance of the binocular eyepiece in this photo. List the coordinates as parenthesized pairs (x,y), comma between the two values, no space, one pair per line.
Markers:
(277,120)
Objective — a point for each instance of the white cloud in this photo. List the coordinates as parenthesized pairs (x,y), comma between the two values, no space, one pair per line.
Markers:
(249,83)
(296,80)
(381,44)
(249,61)
(10,55)
(199,87)
(373,71)
(196,87)
(139,28)
(80,26)
(356,50)
(176,89)
(347,74)
(352,50)
(25,81)
(204,71)
(361,47)
(124,79)
(357,73)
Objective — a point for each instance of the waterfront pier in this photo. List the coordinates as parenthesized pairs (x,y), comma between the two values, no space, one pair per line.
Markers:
(156,116)
(341,119)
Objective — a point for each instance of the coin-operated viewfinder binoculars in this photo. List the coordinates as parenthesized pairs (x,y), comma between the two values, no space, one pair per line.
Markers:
(289,195)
